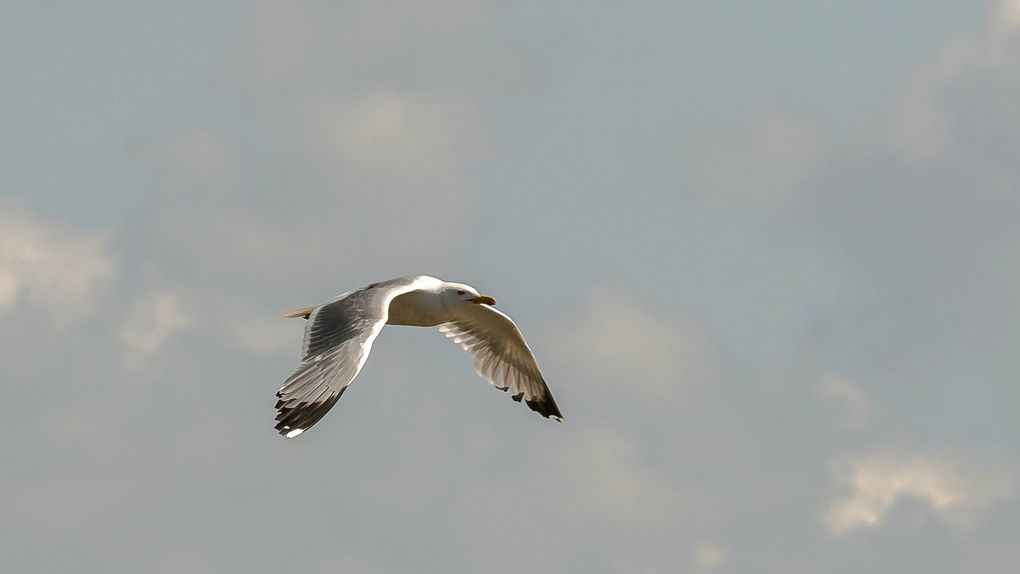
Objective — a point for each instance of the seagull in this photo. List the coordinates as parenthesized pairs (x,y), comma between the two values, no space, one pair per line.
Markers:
(340,333)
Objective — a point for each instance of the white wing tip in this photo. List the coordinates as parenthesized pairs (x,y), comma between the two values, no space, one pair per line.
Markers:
(294,433)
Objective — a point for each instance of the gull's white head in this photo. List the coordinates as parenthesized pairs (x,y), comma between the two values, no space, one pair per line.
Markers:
(457,293)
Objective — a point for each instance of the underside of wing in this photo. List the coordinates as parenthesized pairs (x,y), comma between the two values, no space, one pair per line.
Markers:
(502,356)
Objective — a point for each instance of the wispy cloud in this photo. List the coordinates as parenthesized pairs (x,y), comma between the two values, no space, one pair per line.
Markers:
(629,346)
(849,401)
(958,487)
(151,320)
(922,124)
(409,136)
(709,556)
(61,271)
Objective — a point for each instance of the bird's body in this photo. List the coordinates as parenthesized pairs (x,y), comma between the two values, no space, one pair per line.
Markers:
(340,333)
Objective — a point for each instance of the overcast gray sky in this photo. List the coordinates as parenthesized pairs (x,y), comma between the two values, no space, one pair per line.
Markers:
(766,254)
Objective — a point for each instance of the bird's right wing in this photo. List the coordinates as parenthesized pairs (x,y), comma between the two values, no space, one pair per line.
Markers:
(502,356)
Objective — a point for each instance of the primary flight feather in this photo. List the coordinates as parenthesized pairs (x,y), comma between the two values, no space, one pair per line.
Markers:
(340,333)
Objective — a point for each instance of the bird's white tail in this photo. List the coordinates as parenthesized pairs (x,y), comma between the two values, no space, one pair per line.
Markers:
(303,312)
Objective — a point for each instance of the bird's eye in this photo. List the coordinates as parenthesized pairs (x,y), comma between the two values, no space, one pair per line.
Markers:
(460,292)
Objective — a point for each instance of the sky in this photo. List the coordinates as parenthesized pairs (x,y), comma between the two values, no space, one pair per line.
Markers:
(766,256)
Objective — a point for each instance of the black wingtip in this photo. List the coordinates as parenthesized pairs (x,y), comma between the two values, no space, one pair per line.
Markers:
(302,416)
(546,407)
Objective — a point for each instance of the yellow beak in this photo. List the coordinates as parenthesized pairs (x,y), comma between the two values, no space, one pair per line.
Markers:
(484,300)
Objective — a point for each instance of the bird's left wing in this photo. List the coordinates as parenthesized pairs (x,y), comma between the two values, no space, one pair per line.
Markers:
(502,356)
(338,339)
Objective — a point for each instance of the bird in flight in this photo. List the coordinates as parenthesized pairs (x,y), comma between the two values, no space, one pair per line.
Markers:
(340,333)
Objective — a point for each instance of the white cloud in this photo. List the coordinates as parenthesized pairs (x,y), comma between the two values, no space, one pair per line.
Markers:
(1006,16)
(61,270)
(850,402)
(398,159)
(408,135)
(634,348)
(920,124)
(959,488)
(152,319)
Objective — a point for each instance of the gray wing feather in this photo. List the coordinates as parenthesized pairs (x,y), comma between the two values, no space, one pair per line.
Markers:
(502,356)
(337,341)
(311,321)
